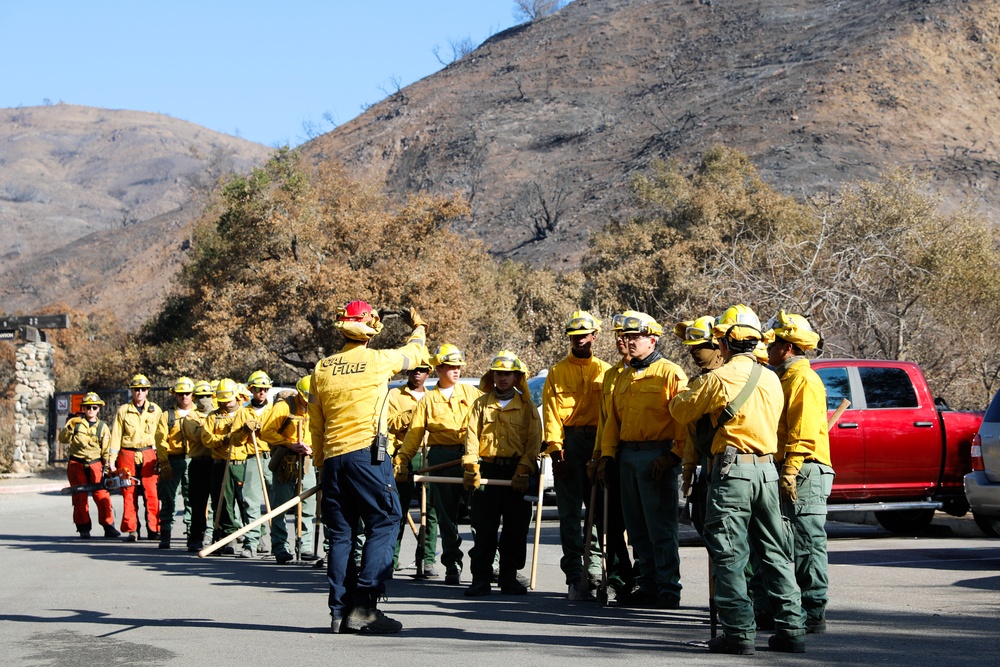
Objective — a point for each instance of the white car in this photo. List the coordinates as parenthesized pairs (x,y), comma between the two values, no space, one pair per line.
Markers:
(982,485)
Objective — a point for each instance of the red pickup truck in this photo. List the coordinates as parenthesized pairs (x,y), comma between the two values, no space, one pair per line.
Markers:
(896,451)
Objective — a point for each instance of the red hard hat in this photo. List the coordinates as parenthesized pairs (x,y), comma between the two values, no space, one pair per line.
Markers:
(356,311)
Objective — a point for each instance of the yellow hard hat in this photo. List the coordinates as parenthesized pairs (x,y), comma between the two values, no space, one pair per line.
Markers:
(91,399)
(226,390)
(641,323)
(448,355)
(739,322)
(203,388)
(505,360)
(184,385)
(139,381)
(302,386)
(695,332)
(793,328)
(243,392)
(582,322)
(259,379)
(618,321)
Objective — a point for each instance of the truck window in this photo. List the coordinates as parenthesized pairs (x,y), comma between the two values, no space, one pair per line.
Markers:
(837,384)
(887,388)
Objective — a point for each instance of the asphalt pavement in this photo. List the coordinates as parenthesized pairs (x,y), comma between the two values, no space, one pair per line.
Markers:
(929,600)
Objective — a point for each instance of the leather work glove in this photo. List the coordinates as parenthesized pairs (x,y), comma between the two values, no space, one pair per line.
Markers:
(519,482)
(413,319)
(560,466)
(687,478)
(251,425)
(663,465)
(603,474)
(786,484)
(470,482)
(401,470)
(592,470)
(166,472)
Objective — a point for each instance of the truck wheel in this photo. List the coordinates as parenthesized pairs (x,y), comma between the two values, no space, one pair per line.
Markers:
(988,524)
(906,522)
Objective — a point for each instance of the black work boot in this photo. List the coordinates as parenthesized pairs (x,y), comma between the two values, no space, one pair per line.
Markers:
(731,645)
(787,644)
(111,531)
(366,619)
(164,540)
(84,530)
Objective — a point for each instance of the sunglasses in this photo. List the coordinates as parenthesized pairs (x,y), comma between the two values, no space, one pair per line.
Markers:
(138,389)
(91,407)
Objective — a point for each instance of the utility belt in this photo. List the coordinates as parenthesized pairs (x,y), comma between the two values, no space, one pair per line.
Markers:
(448,447)
(579,429)
(202,458)
(501,460)
(138,449)
(83,460)
(746,459)
(643,445)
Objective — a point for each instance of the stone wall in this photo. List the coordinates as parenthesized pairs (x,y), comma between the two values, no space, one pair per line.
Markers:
(35,384)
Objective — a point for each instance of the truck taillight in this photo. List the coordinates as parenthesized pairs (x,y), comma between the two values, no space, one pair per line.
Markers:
(977,453)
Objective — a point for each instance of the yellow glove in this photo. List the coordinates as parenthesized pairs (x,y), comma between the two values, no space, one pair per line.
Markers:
(166,472)
(401,470)
(786,484)
(603,474)
(592,470)
(471,479)
(687,478)
(413,319)
(520,480)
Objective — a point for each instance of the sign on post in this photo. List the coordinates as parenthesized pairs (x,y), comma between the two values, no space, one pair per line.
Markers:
(37,321)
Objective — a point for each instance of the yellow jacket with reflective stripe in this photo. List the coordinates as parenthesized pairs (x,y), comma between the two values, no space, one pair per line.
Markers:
(349,392)
(754,429)
(443,420)
(513,431)
(240,437)
(87,441)
(401,405)
(215,434)
(191,427)
(639,409)
(571,396)
(134,429)
(170,439)
(607,392)
(802,429)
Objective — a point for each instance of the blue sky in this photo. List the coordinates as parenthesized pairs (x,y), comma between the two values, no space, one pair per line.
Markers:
(259,70)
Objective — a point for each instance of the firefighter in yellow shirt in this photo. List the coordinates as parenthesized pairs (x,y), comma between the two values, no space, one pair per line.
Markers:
(246,430)
(133,439)
(621,578)
(287,433)
(402,402)
(89,441)
(348,421)
(571,405)
(226,456)
(745,401)
(442,414)
(503,441)
(171,455)
(647,444)
(199,471)
(804,456)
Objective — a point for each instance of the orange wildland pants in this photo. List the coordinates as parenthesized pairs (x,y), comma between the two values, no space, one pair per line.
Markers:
(148,478)
(89,473)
